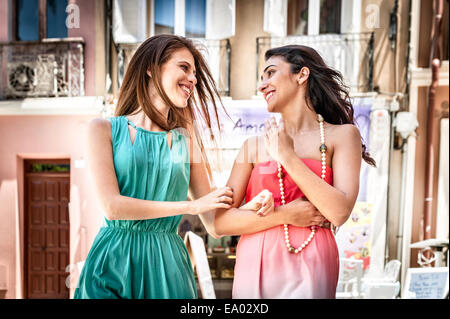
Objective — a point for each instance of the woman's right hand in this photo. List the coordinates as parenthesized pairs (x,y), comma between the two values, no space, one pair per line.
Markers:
(220,198)
(302,213)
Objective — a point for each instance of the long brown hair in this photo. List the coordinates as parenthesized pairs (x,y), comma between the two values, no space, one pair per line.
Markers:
(150,56)
(326,92)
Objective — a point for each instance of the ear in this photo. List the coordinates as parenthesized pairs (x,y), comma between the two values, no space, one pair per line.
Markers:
(303,75)
(149,74)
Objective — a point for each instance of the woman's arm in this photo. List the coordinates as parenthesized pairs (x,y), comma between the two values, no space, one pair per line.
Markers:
(234,221)
(238,221)
(334,202)
(200,184)
(118,207)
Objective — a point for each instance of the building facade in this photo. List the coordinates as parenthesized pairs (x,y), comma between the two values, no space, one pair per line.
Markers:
(51,86)
(54,82)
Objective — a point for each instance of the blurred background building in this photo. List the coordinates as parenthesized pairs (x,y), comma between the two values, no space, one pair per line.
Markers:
(62,63)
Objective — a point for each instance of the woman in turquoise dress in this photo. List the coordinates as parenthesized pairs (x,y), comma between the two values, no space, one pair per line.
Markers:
(143,162)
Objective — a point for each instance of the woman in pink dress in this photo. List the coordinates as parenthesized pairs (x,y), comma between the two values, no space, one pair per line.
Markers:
(310,163)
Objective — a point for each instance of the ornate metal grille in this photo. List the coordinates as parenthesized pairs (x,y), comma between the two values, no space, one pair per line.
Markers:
(42,69)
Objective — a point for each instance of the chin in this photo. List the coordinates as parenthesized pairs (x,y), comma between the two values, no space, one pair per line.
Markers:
(271,108)
(181,104)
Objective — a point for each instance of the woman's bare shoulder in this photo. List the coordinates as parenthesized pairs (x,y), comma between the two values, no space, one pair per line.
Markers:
(100,126)
(345,136)
(343,132)
(99,123)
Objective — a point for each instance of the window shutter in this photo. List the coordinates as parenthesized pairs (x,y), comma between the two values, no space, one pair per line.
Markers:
(129,21)
(275,17)
(220,19)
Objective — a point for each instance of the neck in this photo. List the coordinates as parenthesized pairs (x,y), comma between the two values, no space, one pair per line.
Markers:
(142,120)
(161,106)
(158,102)
(299,117)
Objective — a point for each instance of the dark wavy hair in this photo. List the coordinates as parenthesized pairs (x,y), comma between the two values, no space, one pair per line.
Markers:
(326,91)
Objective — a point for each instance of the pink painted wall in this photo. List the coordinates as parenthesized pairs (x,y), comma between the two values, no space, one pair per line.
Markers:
(28,136)
(87,32)
(3,20)
(42,136)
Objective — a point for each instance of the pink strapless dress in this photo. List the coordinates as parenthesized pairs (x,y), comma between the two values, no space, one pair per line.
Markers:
(265,269)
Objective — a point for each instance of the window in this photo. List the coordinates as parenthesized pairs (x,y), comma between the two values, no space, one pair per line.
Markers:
(195,18)
(56,19)
(54,168)
(27,20)
(30,18)
(164,16)
(330,16)
(297,20)
(307,17)
(182,17)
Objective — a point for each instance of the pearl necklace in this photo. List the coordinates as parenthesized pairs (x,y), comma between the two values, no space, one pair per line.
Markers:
(323,149)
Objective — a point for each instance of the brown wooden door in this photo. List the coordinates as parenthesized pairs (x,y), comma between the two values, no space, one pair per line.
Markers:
(47,232)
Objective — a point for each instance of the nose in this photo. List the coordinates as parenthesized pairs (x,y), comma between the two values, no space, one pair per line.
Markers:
(192,78)
(262,86)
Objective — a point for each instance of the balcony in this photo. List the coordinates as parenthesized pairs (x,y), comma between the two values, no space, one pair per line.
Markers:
(351,54)
(51,68)
(217,55)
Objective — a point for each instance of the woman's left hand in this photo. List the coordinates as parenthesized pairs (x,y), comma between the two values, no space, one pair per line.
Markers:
(262,203)
(278,143)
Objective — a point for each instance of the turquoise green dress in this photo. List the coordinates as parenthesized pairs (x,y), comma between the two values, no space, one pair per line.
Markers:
(142,259)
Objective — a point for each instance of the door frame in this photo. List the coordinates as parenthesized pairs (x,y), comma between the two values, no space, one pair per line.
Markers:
(26,163)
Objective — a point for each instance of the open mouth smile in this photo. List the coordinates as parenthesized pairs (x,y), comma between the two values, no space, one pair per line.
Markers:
(268,95)
(187,90)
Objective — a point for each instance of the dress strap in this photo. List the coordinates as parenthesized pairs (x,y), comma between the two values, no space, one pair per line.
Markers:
(131,123)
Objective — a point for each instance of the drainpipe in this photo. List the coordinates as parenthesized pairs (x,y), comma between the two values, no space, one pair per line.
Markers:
(393,33)
(393,108)
(404,148)
(108,26)
(431,123)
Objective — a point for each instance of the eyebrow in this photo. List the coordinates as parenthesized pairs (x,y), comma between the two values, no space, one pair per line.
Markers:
(265,69)
(268,67)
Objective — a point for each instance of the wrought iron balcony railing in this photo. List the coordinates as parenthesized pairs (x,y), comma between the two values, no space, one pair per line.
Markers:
(217,55)
(51,68)
(351,54)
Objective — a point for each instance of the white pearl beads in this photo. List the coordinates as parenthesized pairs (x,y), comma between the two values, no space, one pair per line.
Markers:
(323,150)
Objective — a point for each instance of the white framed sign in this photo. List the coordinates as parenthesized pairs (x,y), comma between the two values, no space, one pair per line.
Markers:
(199,260)
(426,283)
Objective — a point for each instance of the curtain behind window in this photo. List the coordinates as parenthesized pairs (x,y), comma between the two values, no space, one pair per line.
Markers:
(129,21)
(27,20)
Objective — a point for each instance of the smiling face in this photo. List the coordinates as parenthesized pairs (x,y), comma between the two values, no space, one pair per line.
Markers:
(278,85)
(178,77)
